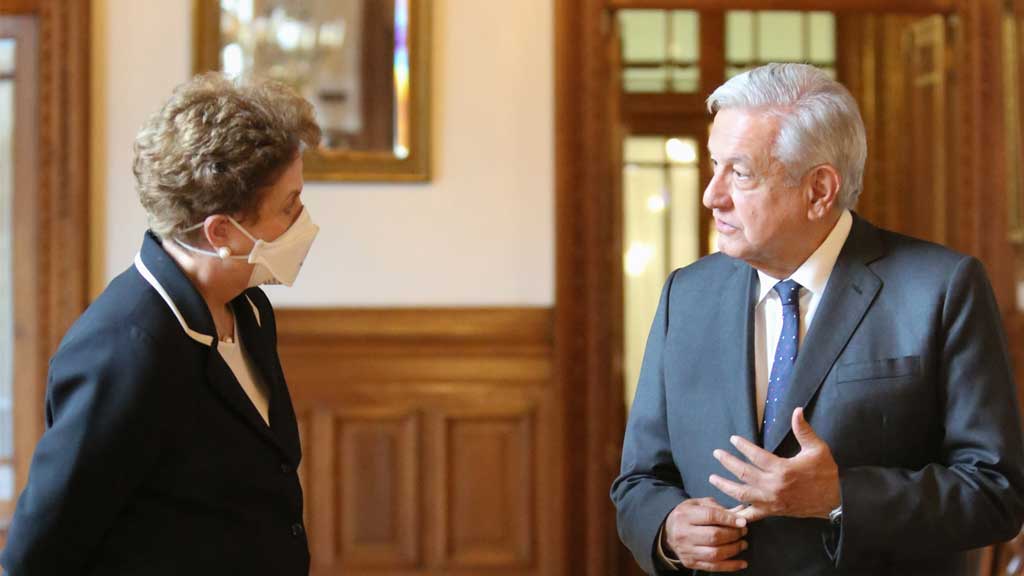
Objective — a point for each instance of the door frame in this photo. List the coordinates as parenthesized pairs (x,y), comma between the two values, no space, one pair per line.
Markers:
(51,249)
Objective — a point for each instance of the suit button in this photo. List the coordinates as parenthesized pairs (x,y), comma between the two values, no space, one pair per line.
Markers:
(297,529)
(285,468)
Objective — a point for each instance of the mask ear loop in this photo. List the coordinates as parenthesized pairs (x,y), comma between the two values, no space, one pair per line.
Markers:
(223,252)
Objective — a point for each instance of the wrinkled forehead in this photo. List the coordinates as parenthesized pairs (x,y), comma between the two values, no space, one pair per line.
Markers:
(743,133)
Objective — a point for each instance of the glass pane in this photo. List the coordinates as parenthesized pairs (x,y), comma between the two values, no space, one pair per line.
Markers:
(643,35)
(731,71)
(780,36)
(644,149)
(6,55)
(644,79)
(685,36)
(739,40)
(661,202)
(823,37)
(7,116)
(643,260)
(686,79)
(685,215)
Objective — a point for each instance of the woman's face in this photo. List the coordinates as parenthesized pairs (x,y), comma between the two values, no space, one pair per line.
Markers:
(280,207)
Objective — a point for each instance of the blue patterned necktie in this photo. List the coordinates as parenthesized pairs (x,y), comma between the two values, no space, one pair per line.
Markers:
(785,352)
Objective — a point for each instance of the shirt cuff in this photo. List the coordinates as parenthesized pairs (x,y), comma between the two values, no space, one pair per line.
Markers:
(671,563)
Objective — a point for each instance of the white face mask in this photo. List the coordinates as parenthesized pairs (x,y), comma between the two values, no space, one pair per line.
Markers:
(276,262)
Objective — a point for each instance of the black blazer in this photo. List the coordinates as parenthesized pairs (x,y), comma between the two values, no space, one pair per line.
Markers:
(905,375)
(154,461)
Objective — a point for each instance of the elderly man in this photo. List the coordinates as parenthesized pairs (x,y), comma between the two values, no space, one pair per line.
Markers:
(823,396)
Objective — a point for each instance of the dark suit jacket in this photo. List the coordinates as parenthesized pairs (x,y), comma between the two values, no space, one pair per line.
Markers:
(154,460)
(904,373)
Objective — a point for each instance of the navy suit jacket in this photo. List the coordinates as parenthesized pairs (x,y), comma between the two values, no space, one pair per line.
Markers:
(154,461)
(905,375)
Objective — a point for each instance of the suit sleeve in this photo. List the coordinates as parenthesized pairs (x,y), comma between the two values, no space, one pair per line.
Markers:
(103,417)
(649,486)
(973,496)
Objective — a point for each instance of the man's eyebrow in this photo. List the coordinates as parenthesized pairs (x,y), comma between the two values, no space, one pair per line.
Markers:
(735,159)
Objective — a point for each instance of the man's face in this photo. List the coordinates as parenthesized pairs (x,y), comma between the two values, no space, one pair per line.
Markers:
(759,213)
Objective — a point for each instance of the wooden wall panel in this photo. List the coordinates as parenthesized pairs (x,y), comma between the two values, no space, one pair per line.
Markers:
(487,504)
(429,439)
(377,473)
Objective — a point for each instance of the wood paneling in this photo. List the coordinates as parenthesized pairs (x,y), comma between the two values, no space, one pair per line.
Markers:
(488,517)
(50,235)
(378,472)
(429,439)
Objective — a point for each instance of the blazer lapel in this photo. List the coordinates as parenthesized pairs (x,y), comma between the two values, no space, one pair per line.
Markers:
(851,289)
(737,349)
(224,383)
(260,348)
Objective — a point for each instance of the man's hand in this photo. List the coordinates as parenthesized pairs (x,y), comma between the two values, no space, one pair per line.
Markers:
(705,536)
(804,486)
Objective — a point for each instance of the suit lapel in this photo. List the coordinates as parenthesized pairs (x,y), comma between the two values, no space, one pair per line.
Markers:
(260,348)
(851,289)
(224,383)
(737,349)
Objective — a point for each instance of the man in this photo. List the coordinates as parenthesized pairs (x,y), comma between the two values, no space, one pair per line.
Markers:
(822,397)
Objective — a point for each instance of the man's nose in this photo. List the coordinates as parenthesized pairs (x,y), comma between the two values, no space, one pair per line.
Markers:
(715,195)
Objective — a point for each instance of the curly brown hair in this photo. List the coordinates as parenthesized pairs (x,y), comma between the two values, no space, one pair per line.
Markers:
(215,147)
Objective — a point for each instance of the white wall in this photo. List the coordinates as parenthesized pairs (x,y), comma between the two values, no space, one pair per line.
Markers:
(481,233)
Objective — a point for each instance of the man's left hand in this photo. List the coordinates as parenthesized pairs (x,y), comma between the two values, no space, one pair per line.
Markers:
(804,486)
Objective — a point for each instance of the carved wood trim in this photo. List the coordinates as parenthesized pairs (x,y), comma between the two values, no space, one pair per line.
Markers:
(51,229)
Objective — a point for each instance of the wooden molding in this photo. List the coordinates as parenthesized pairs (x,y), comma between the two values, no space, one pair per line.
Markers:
(424,325)
(51,229)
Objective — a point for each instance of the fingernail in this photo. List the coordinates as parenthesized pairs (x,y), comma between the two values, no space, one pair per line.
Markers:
(744,533)
(741,522)
(712,478)
(734,440)
(717,454)
(743,565)
(743,545)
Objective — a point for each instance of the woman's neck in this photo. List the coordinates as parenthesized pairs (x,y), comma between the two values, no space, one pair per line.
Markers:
(209,281)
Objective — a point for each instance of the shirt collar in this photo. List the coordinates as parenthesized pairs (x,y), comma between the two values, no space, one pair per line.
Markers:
(813,274)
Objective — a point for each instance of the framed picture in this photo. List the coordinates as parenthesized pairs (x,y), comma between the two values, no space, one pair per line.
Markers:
(364,64)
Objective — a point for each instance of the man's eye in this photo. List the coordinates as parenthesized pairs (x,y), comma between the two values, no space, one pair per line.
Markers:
(741,175)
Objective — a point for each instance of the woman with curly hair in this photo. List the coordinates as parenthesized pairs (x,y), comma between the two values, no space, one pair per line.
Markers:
(171,444)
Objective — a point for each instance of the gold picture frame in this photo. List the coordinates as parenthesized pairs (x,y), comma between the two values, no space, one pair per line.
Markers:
(406,156)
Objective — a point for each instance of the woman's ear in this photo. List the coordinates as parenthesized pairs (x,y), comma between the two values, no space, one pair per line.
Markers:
(823,191)
(215,230)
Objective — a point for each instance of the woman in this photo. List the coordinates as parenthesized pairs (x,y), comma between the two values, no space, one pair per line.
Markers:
(171,444)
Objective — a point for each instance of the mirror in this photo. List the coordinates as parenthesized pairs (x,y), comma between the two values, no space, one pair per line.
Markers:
(364,64)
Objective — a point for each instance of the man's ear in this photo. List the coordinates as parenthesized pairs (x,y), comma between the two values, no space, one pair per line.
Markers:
(822,185)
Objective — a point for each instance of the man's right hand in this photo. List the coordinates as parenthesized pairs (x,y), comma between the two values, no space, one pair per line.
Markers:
(706,536)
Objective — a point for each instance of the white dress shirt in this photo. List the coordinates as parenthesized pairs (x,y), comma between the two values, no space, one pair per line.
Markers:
(813,277)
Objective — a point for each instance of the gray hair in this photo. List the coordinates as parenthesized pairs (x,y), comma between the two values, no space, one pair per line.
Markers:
(819,121)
